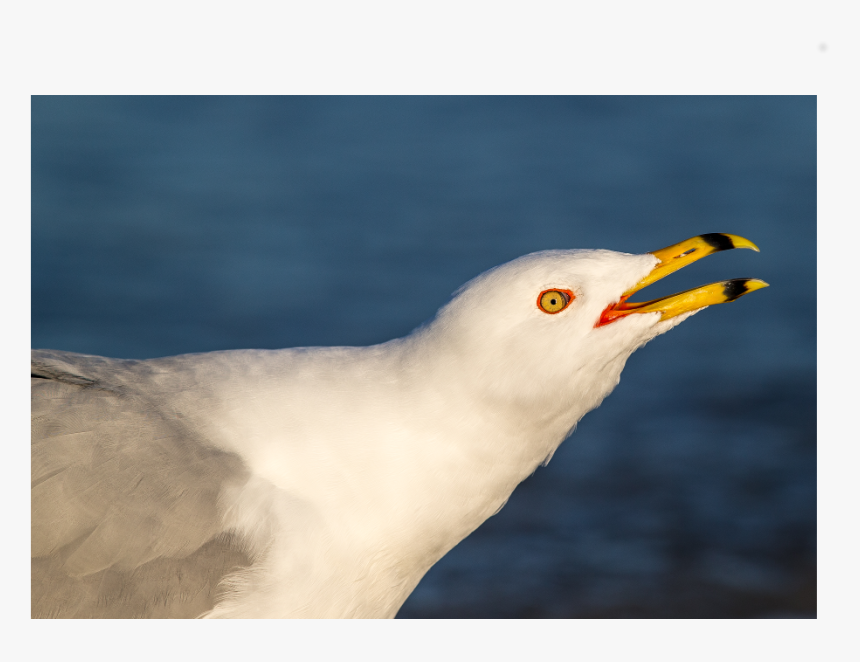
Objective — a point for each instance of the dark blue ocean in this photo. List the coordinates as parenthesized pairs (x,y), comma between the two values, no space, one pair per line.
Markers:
(165,225)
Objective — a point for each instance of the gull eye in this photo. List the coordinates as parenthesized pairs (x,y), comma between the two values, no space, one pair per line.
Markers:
(554,301)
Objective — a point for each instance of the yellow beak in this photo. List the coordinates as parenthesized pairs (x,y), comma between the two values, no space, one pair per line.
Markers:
(675,257)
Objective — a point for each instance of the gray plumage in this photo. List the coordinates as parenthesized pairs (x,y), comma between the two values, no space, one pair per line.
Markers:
(124,498)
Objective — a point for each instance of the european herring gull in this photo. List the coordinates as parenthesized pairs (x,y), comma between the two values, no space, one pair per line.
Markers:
(326,481)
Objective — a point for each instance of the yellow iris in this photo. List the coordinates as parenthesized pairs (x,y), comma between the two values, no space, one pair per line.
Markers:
(553,301)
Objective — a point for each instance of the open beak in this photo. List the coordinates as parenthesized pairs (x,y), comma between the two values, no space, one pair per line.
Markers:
(675,257)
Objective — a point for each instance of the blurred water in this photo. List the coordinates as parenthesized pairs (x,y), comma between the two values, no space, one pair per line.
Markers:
(170,225)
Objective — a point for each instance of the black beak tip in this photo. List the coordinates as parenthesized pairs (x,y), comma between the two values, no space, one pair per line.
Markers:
(719,241)
(737,287)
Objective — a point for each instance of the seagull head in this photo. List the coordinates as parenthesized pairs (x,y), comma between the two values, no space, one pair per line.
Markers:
(550,332)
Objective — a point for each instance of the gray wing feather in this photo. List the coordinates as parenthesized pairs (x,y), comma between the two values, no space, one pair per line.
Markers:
(124,497)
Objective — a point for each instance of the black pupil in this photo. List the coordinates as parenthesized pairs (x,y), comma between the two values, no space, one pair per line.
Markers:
(552,301)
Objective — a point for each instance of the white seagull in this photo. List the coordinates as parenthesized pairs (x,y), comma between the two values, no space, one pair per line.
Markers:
(323,482)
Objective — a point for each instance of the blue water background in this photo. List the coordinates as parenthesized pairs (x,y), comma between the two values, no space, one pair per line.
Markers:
(187,224)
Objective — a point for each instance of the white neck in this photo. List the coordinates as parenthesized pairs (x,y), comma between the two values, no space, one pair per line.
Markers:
(416,454)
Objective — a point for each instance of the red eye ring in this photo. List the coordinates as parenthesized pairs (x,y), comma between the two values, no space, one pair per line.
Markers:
(549,305)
